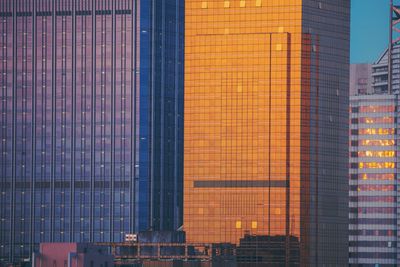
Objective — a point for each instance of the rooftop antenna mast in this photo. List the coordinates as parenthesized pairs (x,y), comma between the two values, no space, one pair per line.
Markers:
(394,24)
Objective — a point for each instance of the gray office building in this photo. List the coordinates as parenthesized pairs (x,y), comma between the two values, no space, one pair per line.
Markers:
(373,175)
(373,180)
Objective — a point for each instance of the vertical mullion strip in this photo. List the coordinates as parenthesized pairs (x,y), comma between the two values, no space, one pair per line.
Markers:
(40,120)
(175,211)
(316,146)
(124,121)
(288,148)
(14,111)
(93,122)
(18,156)
(33,129)
(83,85)
(24,122)
(162,177)
(121,108)
(102,120)
(150,177)
(3,122)
(176,207)
(113,95)
(176,112)
(269,132)
(73,127)
(44,125)
(133,66)
(53,118)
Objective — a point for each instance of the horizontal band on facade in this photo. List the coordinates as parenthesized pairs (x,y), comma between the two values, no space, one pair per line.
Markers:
(65,184)
(67,13)
(240,184)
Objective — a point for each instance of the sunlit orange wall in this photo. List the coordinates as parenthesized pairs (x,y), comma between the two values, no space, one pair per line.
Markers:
(241,58)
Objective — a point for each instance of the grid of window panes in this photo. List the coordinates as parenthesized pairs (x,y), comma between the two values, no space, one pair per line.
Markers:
(91,103)
(254,128)
(329,102)
(373,180)
(236,101)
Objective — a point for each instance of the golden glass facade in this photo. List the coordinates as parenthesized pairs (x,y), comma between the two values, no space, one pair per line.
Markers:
(236,120)
(248,74)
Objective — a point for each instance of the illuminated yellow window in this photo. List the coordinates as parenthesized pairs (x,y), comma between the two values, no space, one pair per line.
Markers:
(227,4)
(380,131)
(258,2)
(239,88)
(377,165)
(254,225)
(226,31)
(279,47)
(280,29)
(384,142)
(204,4)
(242,3)
(377,176)
(238,224)
(379,154)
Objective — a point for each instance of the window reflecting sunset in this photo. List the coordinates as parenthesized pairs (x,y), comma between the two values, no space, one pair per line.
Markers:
(377,165)
(378,154)
(377,108)
(376,120)
(380,131)
(383,142)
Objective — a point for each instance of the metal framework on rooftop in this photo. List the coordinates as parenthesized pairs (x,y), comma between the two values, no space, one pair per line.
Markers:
(394,24)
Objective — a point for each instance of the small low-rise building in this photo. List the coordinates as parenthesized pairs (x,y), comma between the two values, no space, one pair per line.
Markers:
(72,255)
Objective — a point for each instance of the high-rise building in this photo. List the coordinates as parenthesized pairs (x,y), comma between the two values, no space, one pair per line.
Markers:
(373,203)
(373,175)
(91,120)
(266,126)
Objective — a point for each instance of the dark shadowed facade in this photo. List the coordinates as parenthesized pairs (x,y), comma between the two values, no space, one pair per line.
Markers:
(91,120)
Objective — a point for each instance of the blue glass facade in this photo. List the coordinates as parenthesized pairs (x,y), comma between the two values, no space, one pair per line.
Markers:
(91,120)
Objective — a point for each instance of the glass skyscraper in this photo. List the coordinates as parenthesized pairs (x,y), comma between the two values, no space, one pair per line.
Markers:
(266,127)
(91,137)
